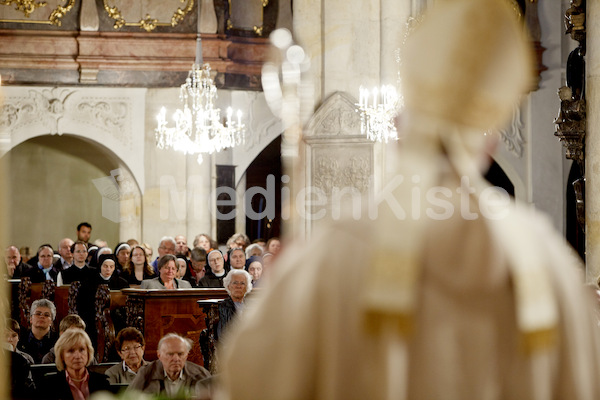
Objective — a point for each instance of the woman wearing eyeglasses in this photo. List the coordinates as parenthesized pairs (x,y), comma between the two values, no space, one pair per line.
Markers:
(130,345)
(238,283)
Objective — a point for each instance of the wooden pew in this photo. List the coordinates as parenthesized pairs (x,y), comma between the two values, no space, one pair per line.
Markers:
(157,312)
(208,337)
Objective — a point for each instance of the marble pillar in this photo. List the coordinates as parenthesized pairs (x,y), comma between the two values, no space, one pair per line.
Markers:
(592,142)
(208,17)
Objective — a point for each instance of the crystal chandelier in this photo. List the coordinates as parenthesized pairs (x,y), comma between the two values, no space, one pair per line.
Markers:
(377,110)
(199,128)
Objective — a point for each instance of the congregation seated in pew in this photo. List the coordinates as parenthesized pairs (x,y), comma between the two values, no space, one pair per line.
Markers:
(80,298)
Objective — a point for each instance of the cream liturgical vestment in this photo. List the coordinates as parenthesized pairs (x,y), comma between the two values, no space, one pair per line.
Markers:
(449,291)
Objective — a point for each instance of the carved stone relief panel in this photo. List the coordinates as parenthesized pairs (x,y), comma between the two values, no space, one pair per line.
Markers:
(340,162)
(337,168)
(339,179)
(336,117)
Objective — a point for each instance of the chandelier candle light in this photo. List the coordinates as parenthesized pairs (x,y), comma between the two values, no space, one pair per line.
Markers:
(377,111)
(198,127)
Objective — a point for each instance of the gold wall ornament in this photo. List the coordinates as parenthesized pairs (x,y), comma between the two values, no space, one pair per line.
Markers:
(180,14)
(26,6)
(148,23)
(60,12)
(114,13)
(265,3)
(258,30)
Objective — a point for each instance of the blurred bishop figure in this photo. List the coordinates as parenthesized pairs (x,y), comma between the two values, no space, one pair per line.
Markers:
(461,294)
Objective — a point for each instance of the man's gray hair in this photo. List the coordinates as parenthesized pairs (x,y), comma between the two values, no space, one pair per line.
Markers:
(169,239)
(227,280)
(44,303)
(188,342)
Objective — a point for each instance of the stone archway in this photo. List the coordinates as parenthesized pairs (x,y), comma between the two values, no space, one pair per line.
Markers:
(55,182)
(64,122)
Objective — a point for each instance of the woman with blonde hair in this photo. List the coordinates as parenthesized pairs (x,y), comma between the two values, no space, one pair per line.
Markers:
(74,352)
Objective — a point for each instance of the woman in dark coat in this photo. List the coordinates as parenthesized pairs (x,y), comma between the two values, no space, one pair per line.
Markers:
(238,283)
(74,352)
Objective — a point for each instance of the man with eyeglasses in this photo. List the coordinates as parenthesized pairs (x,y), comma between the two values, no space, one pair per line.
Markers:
(44,269)
(40,338)
(167,245)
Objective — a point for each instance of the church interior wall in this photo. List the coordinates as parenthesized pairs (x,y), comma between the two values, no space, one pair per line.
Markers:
(348,46)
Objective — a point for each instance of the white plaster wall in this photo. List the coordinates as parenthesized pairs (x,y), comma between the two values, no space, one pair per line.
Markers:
(178,196)
(546,154)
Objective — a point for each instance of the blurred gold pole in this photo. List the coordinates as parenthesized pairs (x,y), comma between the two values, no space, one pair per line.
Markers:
(4,213)
(292,167)
(289,94)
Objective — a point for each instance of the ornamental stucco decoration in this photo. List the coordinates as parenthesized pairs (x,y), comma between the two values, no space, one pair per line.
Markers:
(512,135)
(109,116)
(45,107)
(61,110)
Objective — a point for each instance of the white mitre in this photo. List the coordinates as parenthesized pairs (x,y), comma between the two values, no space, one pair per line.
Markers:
(468,62)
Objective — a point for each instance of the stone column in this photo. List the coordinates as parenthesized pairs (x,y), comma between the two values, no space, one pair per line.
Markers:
(592,141)
(198,186)
(240,216)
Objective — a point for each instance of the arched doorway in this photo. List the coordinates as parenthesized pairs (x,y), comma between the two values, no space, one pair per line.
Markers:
(266,164)
(497,177)
(55,182)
